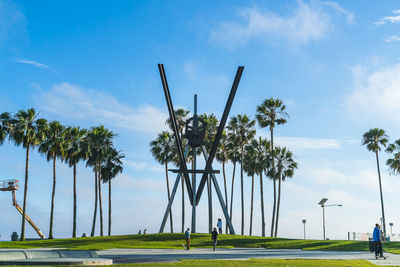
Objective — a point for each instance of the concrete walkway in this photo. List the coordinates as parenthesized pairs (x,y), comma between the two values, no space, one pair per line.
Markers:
(170,255)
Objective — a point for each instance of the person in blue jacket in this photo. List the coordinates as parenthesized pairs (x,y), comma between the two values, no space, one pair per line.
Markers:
(378,242)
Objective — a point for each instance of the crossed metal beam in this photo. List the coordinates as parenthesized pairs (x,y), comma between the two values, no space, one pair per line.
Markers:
(194,201)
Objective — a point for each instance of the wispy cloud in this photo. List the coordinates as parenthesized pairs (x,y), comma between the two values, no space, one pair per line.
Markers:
(305,23)
(389,19)
(302,143)
(141,166)
(12,21)
(70,100)
(32,63)
(392,38)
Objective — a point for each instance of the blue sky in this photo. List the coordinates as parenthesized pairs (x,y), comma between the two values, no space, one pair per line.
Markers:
(334,64)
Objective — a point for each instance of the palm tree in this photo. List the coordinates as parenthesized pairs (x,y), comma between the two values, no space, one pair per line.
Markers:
(161,149)
(99,139)
(374,139)
(258,151)
(75,152)
(249,166)
(27,130)
(53,147)
(394,163)
(4,126)
(270,113)
(284,168)
(234,157)
(242,130)
(110,169)
(181,117)
(222,157)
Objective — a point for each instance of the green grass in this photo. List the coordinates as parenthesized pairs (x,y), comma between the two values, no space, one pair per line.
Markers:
(261,262)
(198,241)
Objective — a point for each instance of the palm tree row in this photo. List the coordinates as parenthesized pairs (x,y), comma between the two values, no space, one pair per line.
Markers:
(239,145)
(70,145)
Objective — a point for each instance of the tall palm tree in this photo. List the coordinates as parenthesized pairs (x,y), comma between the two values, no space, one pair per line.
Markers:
(374,139)
(53,147)
(110,169)
(249,166)
(4,126)
(26,130)
(394,163)
(161,149)
(234,157)
(284,168)
(242,130)
(181,115)
(75,152)
(99,139)
(222,157)
(270,113)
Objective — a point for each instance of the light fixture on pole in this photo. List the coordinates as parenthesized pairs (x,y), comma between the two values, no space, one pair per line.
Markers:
(304,223)
(391,225)
(322,203)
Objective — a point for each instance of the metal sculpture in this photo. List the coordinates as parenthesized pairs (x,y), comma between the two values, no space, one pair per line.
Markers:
(194,132)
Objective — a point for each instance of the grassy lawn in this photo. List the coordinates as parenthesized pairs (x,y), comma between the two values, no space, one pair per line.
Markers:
(198,240)
(262,262)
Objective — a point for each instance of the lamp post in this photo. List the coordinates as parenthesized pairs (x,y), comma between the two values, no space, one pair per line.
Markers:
(322,203)
(304,224)
(391,225)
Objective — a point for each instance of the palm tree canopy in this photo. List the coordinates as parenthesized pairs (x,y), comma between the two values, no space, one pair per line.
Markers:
(97,141)
(394,163)
(271,112)
(285,164)
(211,122)
(222,151)
(257,151)
(27,129)
(181,115)
(53,144)
(112,164)
(241,129)
(374,139)
(4,126)
(162,147)
(74,145)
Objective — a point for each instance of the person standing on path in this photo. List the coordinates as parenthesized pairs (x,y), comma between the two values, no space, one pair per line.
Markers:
(219,225)
(187,236)
(378,242)
(214,237)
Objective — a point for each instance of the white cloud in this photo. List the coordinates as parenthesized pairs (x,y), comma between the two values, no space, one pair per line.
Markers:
(33,63)
(390,19)
(392,38)
(140,166)
(74,101)
(376,93)
(306,22)
(297,143)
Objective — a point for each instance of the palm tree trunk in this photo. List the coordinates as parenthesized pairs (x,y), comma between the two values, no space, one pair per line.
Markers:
(278,205)
(226,193)
(53,193)
(233,183)
(241,188)
(380,190)
(273,209)
(273,168)
(109,206)
(25,194)
(74,218)
(262,206)
(183,203)
(169,197)
(95,200)
(100,201)
(251,207)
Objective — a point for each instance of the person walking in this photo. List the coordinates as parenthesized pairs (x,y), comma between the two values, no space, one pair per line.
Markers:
(219,225)
(378,242)
(187,236)
(214,237)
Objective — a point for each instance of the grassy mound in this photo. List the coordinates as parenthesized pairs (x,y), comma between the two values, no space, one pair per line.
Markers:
(198,241)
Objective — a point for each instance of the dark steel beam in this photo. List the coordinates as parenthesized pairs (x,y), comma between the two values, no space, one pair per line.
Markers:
(182,162)
(219,132)
(193,171)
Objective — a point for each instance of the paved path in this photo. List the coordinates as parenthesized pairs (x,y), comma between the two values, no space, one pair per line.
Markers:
(161,255)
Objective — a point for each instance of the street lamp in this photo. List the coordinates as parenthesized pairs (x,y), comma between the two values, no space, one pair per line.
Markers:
(304,223)
(322,203)
(391,225)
